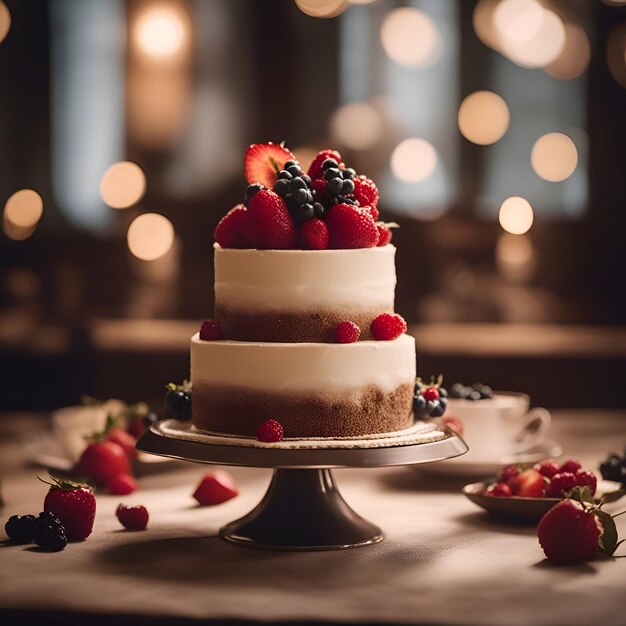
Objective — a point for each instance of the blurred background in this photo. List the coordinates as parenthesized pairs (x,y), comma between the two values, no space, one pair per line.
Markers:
(495,130)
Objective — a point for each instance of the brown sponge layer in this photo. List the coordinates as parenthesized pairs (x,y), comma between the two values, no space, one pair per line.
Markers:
(285,327)
(363,411)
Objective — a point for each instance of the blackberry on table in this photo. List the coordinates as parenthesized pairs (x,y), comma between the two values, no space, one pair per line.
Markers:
(20,528)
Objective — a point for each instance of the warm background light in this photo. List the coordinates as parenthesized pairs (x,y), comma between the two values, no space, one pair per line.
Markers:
(410,37)
(516,215)
(482,21)
(24,208)
(150,236)
(322,8)
(413,160)
(554,157)
(356,125)
(574,58)
(483,117)
(616,53)
(542,48)
(518,20)
(5,21)
(160,32)
(515,257)
(17,233)
(122,185)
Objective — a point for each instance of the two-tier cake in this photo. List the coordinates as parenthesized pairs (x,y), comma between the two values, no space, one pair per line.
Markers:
(304,331)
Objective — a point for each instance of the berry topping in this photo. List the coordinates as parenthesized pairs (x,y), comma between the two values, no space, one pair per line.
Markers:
(215,488)
(351,227)
(178,400)
(122,485)
(263,161)
(269,224)
(313,235)
(20,528)
(74,505)
(49,534)
(560,484)
(571,465)
(210,331)
(384,234)
(102,460)
(132,517)
(585,478)
(529,484)
(229,232)
(316,168)
(569,534)
(499,490)
(547,468)
(388,326)
(431,393)
(508,472)
(454,424)
(270,431)
(365,192)
(347,332)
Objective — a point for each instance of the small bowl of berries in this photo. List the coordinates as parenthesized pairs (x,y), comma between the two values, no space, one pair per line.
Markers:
(525,493)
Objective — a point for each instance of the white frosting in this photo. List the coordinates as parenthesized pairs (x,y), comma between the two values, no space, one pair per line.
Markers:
(323,367)
(301,280)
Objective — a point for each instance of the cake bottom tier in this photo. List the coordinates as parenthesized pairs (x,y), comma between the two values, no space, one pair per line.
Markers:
(240,411)
(312,389)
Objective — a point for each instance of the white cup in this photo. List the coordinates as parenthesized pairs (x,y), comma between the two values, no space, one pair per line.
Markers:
(498,426)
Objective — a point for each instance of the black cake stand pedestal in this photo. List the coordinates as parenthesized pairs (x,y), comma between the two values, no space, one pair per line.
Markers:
(302,508)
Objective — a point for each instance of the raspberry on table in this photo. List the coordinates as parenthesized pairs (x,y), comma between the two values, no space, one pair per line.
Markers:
(132,517)
(499,490)
(571,465)
(560,484)
(585,478)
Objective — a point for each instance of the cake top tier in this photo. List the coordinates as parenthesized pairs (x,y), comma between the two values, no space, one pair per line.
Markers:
(287,208)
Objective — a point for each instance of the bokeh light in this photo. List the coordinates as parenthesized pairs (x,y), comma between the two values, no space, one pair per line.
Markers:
(413,160)
(410,37)
(160,32)
(483,117)
(356,125)
(616,53)
(24,208)
(150,236)
(17,233)
(515,257)
(5,21)
(122,185)
(574,58)
(482,21)
(322,8)
(554,157)
(518,20)
(542,48)
(516,215)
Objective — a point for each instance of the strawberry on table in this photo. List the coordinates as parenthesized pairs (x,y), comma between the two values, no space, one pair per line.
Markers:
(560,484)
(215,488)
(268,222)
(585,478)
(571,465)
(508,472)
(125,440)
(132,517)
(499,490)
(121,485)
(75,506)
(102,460)
(263,161)
(547,468)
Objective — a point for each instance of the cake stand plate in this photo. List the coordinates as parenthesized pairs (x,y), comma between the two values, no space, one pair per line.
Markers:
(302,508)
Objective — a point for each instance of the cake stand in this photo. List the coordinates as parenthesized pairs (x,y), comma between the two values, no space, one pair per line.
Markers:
(302,508)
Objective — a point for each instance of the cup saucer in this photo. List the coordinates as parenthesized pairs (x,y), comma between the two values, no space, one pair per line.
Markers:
(488,467)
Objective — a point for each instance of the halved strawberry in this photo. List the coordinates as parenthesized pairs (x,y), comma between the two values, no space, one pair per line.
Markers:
(263,161)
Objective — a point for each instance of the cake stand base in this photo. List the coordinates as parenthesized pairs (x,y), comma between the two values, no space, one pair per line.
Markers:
(302,510)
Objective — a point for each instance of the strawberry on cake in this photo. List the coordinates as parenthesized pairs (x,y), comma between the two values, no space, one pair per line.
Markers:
(304,330)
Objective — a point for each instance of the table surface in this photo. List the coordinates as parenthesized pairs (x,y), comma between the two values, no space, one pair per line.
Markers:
(443,561)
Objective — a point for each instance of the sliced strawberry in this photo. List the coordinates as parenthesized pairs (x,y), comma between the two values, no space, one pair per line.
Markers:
(229,232)
(351,227)
(313,235)
(365,191)
(263,161)
(268,222)
(315,169)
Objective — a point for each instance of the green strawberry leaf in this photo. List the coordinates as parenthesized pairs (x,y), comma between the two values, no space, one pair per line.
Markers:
(607,544)
(581,494)
(614,496)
